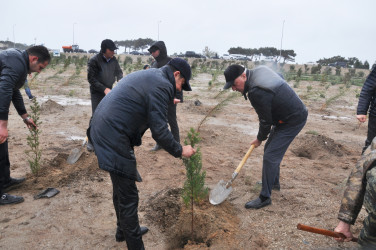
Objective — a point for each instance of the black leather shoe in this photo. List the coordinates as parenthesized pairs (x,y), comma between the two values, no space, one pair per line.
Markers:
(119,236)
(156,148)
(257,203)
(6,199)
(12,183)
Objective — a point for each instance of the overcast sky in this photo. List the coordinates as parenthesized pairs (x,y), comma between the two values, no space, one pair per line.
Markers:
(313,29)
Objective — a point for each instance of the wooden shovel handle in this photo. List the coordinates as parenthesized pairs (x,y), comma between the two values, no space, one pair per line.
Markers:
(323,232)
(241,164)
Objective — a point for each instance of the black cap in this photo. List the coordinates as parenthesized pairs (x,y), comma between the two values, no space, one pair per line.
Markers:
(153,49)
(108,44)
(231,73)
(185,71)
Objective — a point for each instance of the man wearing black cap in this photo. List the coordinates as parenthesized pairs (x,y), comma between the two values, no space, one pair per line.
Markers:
(282,115)
(103,69)
(140,101)
(159,51)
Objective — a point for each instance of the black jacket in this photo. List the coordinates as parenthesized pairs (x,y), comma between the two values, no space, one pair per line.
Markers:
(14,66)
(162,60)
(368,95)
(138,102)
(101,74)
(275,102)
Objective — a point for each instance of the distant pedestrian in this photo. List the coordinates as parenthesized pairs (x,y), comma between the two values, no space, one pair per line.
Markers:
(14,67)
(367,104)
(281,113)
(159,51)
(102,72)
(27,90)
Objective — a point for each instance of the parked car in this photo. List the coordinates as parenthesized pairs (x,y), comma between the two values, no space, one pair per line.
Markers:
(238,57)
(193,54)
(134,52)
(226,57)
(338,64)
(93,51)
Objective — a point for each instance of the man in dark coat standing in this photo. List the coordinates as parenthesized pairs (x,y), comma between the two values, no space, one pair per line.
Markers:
(102,71)
(282,115)
(159,51)
(14,67)
(139,101)
(367,103)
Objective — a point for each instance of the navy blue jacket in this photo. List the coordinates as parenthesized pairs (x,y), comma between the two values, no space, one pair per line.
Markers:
(368,95)
(138,102)
(275,102)
(14,66)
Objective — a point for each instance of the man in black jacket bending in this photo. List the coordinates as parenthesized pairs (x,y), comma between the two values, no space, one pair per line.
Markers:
(102,71)
(367,103)
(159,51)
(14,67)
(139,101)
(282,115)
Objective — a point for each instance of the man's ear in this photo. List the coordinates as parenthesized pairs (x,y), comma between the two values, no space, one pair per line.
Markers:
(176,73)
(33,58)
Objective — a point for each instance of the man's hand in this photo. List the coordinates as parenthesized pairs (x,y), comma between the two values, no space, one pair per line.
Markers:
(188,151)
(106,91)
(256,143)
(28,121)
(176,100)
(3,131)
(361,118)
(344,229)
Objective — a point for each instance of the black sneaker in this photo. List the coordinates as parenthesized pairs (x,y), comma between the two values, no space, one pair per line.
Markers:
(257,203)
(90,147)
(6,199)
(12,183)
(120,237)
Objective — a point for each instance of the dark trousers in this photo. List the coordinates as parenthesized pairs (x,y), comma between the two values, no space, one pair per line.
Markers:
(279,140)
(371,133)
(4,165)
(96,98)
(125,199)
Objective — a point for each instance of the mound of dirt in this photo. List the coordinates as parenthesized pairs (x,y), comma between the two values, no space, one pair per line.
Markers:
(50,107)
(317,147)
(212,225)
(58,173)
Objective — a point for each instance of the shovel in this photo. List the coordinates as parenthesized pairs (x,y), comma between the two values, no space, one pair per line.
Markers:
(222,190)
(76,153)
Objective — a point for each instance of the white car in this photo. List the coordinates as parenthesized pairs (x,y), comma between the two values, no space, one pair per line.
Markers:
(226,57)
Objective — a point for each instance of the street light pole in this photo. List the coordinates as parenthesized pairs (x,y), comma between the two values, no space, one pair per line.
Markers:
(73,33)
(280,52)
(158,28)
(14,39)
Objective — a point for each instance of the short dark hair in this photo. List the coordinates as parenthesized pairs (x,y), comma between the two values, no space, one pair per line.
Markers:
(41,52)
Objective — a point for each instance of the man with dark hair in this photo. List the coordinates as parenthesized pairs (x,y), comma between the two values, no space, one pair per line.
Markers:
(139,101)
(14,67)
(159,51)
(282,115)
(102,71)
(367,104)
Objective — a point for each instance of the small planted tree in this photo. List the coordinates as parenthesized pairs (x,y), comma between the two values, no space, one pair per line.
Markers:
(194,190)
(34,153)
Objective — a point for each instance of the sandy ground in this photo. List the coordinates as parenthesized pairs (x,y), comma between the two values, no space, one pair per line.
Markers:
(81,216)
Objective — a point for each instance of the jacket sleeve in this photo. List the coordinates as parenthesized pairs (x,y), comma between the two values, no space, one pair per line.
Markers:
(353,197)
(261,100)
(93,70)
(118,72)
(8,79)
(158,106)
(367,93)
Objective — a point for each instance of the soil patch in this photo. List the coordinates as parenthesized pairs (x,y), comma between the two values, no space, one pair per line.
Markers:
(50,107)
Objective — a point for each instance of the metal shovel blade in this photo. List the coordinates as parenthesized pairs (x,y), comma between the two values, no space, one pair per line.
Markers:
(75,155)
(219,193)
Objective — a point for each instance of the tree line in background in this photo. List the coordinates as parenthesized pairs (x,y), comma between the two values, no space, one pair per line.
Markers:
(351,62)
(135,44)
(287,55)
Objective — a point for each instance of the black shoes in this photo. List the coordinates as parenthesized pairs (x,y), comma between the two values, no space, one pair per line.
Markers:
(119,236)
(156,148)
(12,183)
(258,203)
(89,147)
(7,199)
